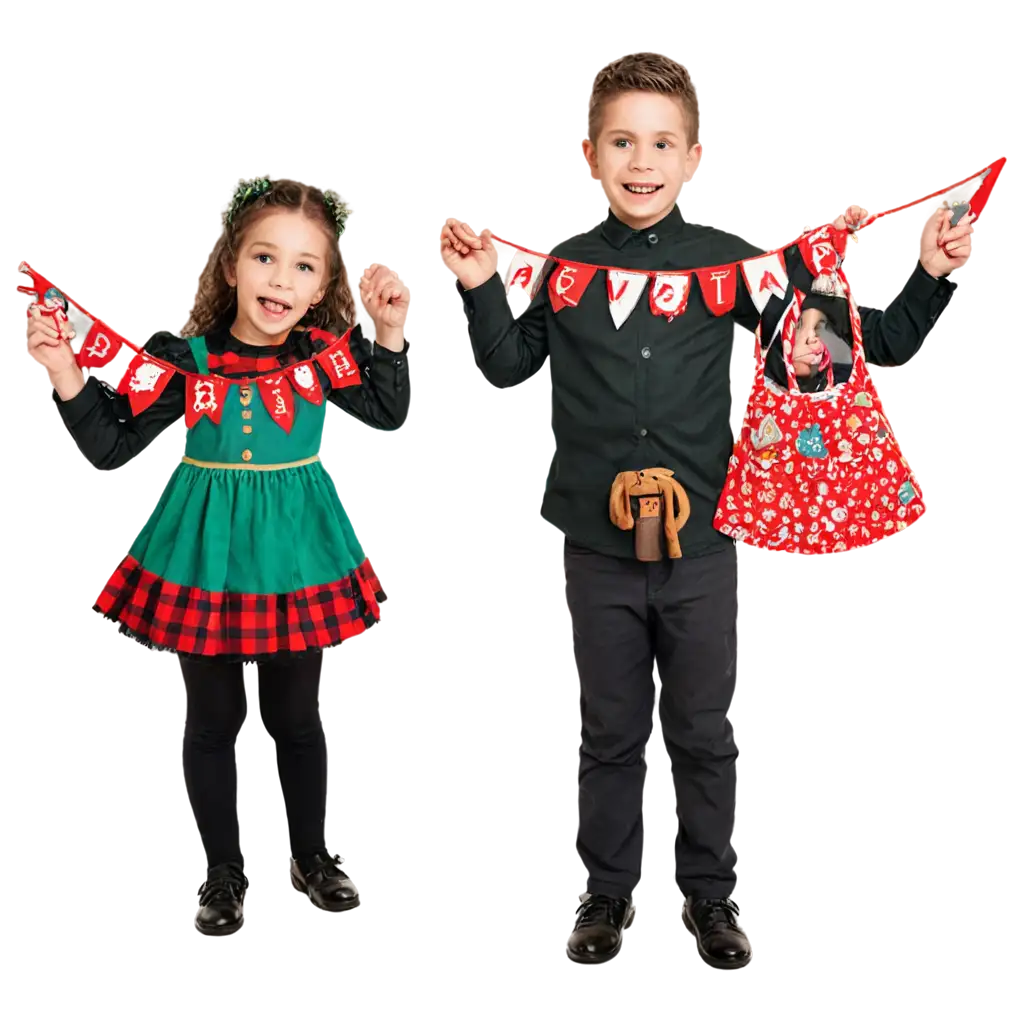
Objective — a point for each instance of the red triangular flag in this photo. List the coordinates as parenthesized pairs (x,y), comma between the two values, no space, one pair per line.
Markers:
(337,361)
(718,286)
(100,346)
(567,285)
(144,382)
(669,295)
(306,382)
(823,250)
(278,398)
(204,396)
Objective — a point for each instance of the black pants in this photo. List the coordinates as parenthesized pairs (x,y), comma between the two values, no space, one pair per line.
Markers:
(627,616)
(289,706)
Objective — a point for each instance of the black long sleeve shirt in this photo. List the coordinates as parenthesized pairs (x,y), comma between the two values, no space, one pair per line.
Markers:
(108,435)
(654,392)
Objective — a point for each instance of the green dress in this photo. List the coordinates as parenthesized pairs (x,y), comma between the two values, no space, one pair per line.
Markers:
(249,552)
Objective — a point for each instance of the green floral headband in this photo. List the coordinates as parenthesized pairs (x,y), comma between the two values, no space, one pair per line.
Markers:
(248,191)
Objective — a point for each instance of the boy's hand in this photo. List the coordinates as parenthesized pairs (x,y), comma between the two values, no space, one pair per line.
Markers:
(386,299)
(944,248)
(852,219)
(471,258)
(46,346)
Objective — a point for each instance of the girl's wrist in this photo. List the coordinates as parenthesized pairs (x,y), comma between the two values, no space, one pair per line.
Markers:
(391,338)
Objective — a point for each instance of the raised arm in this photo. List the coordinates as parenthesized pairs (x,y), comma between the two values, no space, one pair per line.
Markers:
(507,351)
(97,417)
(381,400)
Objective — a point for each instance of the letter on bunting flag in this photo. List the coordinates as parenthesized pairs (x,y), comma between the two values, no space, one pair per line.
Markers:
(624,291)
(765,276)
(567,285)
(669,295)
(526,271)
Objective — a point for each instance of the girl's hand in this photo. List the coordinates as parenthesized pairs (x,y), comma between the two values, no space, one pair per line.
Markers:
(471,258)
(46,346)
(387,301)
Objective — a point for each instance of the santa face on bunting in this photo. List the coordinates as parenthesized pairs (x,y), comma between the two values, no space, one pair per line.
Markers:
(816,472)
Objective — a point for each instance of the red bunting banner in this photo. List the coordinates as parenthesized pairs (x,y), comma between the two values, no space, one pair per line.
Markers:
(204,396)
(765,275)
(146,377)
(279,400)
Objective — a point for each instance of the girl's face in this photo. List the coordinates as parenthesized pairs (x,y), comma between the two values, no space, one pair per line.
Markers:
(808,348)
(283,268)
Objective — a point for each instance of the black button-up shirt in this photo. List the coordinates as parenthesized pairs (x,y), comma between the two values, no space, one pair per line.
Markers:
(654,392)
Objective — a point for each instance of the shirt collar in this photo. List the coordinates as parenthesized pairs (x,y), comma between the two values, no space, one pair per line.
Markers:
(618,234)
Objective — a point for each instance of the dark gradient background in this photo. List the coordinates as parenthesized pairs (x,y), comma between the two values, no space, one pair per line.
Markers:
(882,711)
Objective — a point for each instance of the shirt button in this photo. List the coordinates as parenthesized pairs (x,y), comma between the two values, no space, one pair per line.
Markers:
(643,431)
(652,238)
(645,352)
(246,455)
(246,429)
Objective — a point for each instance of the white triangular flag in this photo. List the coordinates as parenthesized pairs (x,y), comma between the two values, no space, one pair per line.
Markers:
(765,276)
(526,271)
(624,291)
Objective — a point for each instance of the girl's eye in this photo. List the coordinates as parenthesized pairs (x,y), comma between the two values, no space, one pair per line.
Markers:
(305,266)
(263,257)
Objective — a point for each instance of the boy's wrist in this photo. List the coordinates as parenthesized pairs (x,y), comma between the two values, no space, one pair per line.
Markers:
(67,382)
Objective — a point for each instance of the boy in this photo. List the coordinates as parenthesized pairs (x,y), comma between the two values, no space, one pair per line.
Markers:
(653,393)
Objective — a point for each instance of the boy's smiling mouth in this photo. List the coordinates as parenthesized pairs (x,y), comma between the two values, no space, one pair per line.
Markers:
(641,188)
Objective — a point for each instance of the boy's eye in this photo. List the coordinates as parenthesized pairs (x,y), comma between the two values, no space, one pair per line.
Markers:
(621,143)
(662,144)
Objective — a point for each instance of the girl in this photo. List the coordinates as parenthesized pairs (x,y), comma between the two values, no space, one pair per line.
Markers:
(249,555)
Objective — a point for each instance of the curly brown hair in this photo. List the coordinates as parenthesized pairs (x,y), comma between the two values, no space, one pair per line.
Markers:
(644,72)
(215,304)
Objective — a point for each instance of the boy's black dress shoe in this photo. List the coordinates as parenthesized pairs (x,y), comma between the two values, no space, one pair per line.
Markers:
(326,885)
(600,920)
(220,900)
(721,942)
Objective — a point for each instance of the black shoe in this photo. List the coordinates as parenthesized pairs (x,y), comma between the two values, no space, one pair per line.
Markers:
(220,900)
(326,885)
(600,920)
(721,942)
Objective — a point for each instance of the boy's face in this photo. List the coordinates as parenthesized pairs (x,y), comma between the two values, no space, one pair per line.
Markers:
(642,156)
(808,348)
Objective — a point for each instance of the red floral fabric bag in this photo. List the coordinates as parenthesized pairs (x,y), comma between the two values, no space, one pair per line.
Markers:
(816,472)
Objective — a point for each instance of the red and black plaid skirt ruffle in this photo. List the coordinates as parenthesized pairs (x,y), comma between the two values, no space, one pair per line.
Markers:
(239,627)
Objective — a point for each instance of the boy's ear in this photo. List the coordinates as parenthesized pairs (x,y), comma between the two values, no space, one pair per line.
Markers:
(693,159)
(585,155)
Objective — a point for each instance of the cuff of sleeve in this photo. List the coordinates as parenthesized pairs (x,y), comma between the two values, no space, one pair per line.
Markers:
(920,286)
(381,354)
(76,409)
(485,295)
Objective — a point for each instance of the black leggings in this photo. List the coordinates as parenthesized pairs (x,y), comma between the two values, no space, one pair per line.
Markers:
(290,710)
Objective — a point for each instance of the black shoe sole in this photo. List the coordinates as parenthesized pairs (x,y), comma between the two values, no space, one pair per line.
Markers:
(576,958)
(721,965)
(226,930)
(348,905)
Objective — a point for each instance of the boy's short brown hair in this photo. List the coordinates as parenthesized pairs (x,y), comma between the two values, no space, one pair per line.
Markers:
(644,72)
